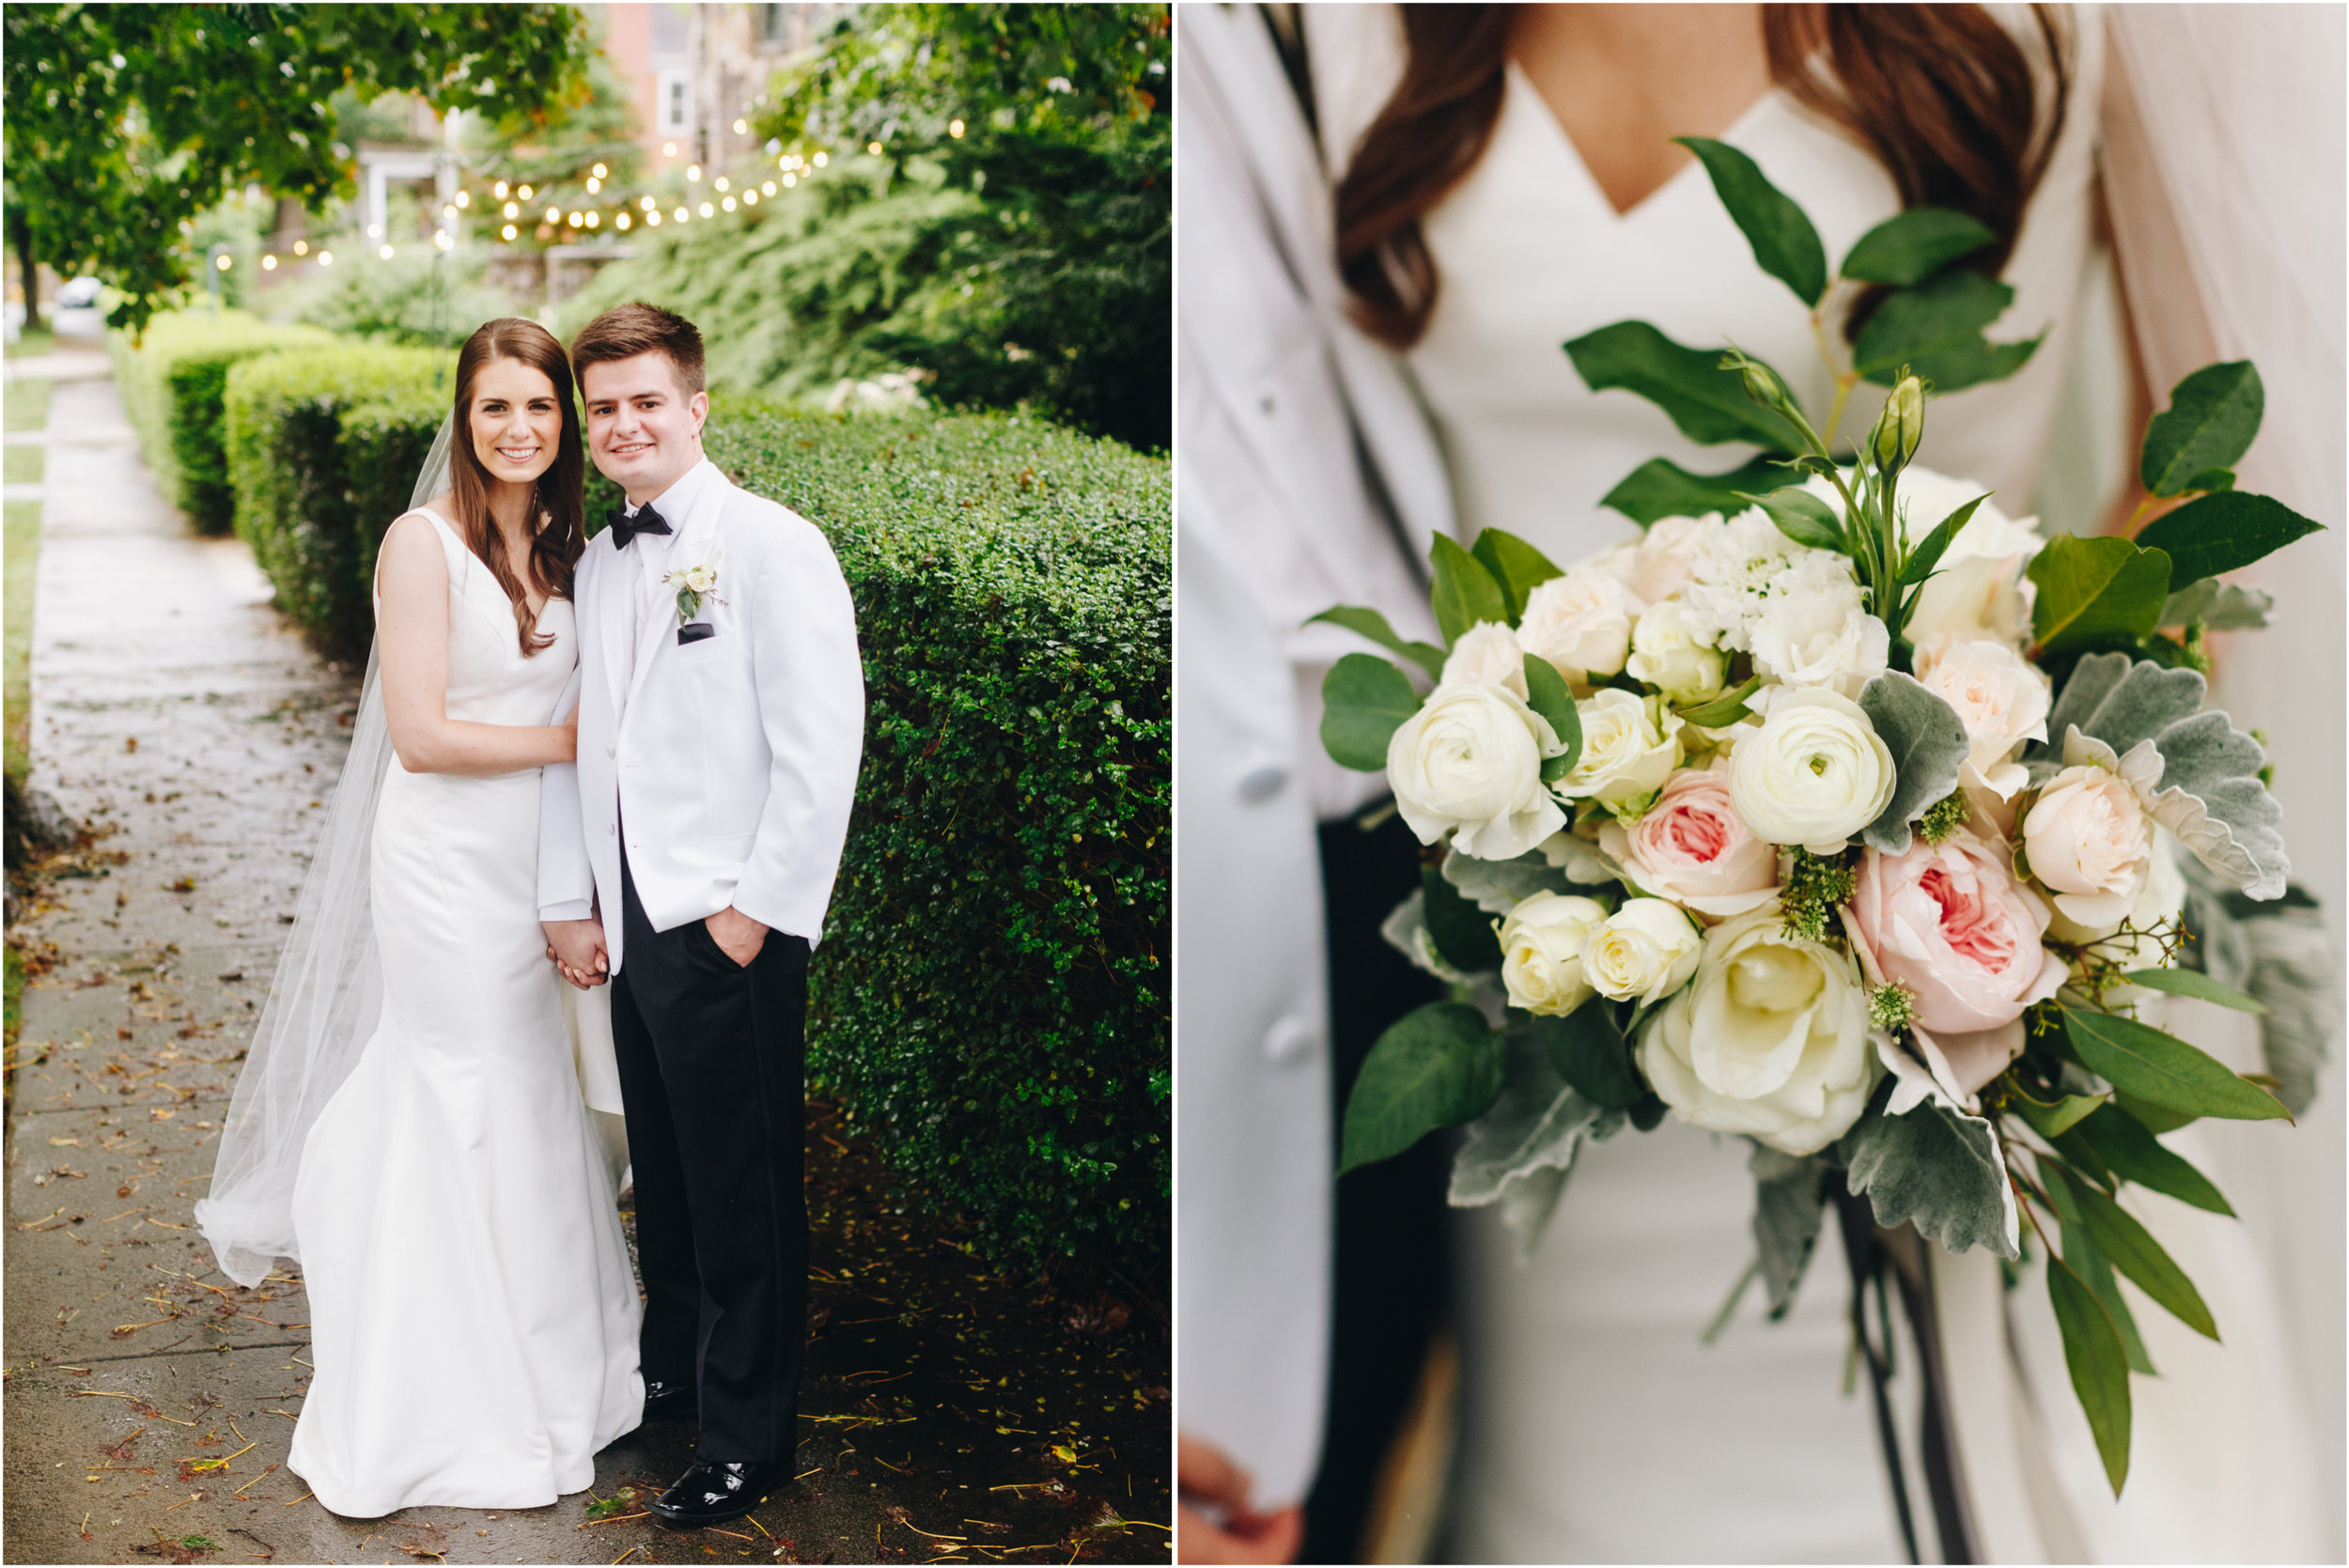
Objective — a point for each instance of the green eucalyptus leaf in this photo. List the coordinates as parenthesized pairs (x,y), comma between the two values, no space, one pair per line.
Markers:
(1909,247)
(1723,710)
(2212,416)
(1935,329)
(2132,1250)
(1785,245)
(1707,403)
(2095,590)
(2194,983)
(1437,1067)
(1803,517)
(2054,1121)
(1789,1203)
(1465,594)
(1516,565)
(1927,554)
(1589,1051)
(2155,1119)
(1547,694)
(2092,1268)
(2222,531)
(1463,934)
(2163,1068)
(2099,1365)
(1371,624)
(2121,1139)
(1364,700)
(1660,488)
(1929,745)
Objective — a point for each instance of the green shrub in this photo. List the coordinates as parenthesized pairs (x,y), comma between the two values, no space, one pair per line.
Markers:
(992,1000)
(324,447)
(172,383)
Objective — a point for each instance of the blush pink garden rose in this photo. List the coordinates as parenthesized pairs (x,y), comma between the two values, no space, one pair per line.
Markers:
(1951,924)
(1690,847)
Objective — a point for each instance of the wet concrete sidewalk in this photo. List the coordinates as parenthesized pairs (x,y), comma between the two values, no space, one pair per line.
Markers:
(949,1414)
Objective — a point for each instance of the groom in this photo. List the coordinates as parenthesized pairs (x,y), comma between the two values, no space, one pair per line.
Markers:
(690,857)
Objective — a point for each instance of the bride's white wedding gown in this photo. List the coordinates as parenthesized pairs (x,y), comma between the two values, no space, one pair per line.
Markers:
(474,1316)
(1594,1425)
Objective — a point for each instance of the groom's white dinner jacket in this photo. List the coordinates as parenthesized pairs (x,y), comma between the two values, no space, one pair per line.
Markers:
(728,760)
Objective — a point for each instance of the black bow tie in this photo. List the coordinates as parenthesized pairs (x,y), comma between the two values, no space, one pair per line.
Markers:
(646,520)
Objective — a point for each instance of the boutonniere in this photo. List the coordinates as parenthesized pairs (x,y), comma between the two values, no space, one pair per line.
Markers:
(693,585)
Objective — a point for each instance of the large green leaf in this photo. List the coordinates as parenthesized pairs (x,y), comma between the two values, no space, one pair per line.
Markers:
(1589,1051)
(1802,517)
(1938,1167)
(2131,1152)
(2194,983)
(2212,416)
(2097,590)
(1789,1203)
(1435,1067)
(2054,1121)
(1371,624)
(1465,594)
(1517,567)
(2099,1366)
(1935,330)
(1929,745)
(1463,934)
(2092,1268)
(1911,246)
(1364,700)
(1547,694)
(1785,245)
(2163,1068)
(2131,1248)
(1725,709)
(1662,488)
(1707,402)
(2219,532)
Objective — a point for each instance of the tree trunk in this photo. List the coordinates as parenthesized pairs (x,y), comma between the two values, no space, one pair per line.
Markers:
(20,241)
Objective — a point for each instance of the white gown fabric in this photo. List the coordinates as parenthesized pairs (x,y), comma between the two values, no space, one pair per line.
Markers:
(1594,1424)
(474,1316)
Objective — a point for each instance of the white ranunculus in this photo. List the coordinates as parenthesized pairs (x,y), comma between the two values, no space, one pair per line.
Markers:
(1469,763)
(2090,843)
(1812,629)
(1486,654)
(1580,622)
(1626,751)
(1643,952)
(2001,696)
(1666,656)
(1813,774)
(1770,1040)
(1541,952)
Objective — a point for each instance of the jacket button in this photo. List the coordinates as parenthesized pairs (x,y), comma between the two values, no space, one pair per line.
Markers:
(1291,1040)
(610,751)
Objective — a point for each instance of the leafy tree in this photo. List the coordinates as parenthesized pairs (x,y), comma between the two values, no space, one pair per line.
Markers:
(126,122)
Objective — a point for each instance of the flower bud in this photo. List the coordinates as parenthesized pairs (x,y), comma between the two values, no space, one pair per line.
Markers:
(1901,426)
(1762,385)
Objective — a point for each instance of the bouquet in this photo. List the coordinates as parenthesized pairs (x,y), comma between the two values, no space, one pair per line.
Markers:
(1844,813)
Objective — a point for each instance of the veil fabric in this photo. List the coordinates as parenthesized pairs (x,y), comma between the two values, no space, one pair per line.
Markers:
(324,999)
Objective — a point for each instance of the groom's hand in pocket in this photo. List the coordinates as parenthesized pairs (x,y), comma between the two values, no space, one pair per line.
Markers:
(737,936)
(577,948)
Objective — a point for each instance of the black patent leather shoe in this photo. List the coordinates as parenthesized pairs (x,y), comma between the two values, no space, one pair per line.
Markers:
(710,1493)
(669,1401)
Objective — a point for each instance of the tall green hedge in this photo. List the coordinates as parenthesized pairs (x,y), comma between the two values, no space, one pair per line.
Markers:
(173,381)
(992,1000)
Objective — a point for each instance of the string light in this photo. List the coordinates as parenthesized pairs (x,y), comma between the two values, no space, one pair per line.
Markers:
(648,203)
(706,210)
(573,220)
(554,215)
(449,213)
(741,128)
(269,264)
(385,253)
(652,220)
(464,198)
(693,172)
(512,211)
(789,181)
(375,231)
(302,247)
(621,221)
(595,220)
(499,189)
(728,203)
(600,172)
(444,239)
(768,186)
(954,129)
(821,158)
(221,262)
(750,198)
(721,183)
(681,215)
(668,149)
(594,186)
(873,147)
(326,258)
(523,192)
(507,232)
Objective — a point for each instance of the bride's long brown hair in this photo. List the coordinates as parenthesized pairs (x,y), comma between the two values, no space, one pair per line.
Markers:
(1940,93)
(558,533)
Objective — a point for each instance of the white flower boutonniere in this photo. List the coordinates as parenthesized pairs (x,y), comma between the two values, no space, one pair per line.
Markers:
(693,585)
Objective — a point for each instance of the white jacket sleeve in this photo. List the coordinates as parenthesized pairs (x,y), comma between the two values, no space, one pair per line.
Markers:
(810,682)
(566,884)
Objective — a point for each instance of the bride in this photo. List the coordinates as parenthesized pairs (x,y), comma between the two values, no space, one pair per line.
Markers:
(408,1126)
(1499,180)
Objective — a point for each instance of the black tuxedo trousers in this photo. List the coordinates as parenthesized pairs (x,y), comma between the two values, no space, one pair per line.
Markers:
(711,1058)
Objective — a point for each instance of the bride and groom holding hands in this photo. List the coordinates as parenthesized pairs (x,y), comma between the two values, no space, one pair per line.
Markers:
(628,762)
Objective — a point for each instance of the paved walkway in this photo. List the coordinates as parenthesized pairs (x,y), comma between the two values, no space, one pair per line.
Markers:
(148,1403)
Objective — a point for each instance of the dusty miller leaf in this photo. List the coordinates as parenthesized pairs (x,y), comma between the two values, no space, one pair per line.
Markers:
(1938,1167)
(2219,606)
(1519,1153)
(1788,1206)
(1928,743)
(1498,887)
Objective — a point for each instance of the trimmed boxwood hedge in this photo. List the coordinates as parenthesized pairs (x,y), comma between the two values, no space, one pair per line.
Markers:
(173,385)
(992,998)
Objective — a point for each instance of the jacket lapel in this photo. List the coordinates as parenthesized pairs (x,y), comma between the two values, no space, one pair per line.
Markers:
(695,530)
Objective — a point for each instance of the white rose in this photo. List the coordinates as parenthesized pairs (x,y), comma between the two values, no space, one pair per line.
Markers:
(2089,843)
(1541,952)
(1580,622)
(1770,1040)
(1486,654)
(1660,561)
(1666,656)
(1643,952)
(1625,752)
(1813,774)
(1813,631)
(1469,761)
(1979,589)
(702,579)
(2001,696)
